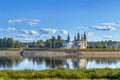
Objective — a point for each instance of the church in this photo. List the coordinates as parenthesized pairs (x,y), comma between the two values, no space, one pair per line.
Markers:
(77,43)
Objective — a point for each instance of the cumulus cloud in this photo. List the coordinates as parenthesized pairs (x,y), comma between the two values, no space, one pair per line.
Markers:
(30,22)
(64,31)
(10,29)
(44,36)
(28,39)
(24,39)
(15,21)
(109,28)
(47,31)
(107,36)
(21,36)
(27,32)
(33,22)
(23,31)
(33,32)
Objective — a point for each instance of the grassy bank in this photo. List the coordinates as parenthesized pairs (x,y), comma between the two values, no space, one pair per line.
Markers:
(69,50)
(10,49)
(61,74)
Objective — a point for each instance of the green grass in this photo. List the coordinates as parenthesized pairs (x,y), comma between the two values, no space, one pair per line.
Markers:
(69,50)
(10,49)
(61,74)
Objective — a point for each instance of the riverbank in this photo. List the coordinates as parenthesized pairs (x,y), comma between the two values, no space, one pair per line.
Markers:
(84,54)
(62,53)
(9,53)
(61,74)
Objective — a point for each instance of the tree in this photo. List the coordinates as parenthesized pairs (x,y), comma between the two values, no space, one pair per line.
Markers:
(1,42)
(48,43)
(58,41)
(10,43)
(16,44)
(40,43)
(53,42)
(4,43)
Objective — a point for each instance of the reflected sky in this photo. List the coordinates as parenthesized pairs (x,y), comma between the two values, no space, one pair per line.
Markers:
(54,63)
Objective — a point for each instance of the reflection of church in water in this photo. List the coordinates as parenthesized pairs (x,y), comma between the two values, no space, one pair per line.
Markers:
(78,42)
(76,63)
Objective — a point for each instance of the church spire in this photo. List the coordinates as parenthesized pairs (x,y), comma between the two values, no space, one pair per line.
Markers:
(68,38)
(75,37)
(85,38)
(78,36)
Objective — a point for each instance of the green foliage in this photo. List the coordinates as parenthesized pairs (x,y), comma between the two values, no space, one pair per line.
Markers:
(54,43)
(10,49)
(61,74)
(70,50)
(103,44)
(10,43)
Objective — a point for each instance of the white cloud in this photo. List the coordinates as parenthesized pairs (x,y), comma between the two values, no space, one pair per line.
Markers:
(27,32)
(24,39)
(107,36)
(15,21)
(23,31)
(21,36)
(32,22)
(112,23)
(10,29)
(28,39)
(1,29)
(33,32)
(44,36)
(64,31)
(47,31)
(109,28)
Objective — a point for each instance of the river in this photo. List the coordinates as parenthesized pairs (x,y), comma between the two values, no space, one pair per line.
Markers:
(18,63)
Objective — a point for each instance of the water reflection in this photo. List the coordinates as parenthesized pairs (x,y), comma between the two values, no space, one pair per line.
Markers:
(54,63)
(8,62)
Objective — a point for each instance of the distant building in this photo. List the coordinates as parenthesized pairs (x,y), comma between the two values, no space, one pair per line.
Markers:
(76,43)
(80,42)
(67,44)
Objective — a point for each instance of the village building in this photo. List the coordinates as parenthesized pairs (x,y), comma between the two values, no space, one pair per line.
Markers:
(67,44)
(77,43)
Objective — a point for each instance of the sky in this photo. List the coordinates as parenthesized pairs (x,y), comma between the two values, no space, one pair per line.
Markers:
(32,20)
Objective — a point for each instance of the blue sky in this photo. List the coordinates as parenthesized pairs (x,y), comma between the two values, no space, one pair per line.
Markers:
(31,20)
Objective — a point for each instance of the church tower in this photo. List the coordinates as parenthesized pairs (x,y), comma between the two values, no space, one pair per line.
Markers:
(75,38)
(68,38)
(85,38)
(78,36)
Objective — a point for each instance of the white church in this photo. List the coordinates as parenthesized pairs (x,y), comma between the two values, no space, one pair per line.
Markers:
(77,43)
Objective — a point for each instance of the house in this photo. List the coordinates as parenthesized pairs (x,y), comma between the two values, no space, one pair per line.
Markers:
(67,44)
(77,43)
(80,42)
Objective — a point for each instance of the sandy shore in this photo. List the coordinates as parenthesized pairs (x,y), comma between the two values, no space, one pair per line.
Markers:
(89,54)
(10,53)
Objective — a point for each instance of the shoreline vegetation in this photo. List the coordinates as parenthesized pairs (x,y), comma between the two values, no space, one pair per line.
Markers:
(61,74)
(74,50)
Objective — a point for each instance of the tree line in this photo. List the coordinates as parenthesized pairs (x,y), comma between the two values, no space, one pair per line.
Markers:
(10,43)
(103,44)
(53,42)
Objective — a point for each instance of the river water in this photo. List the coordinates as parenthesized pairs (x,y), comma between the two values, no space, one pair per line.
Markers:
(17,63)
